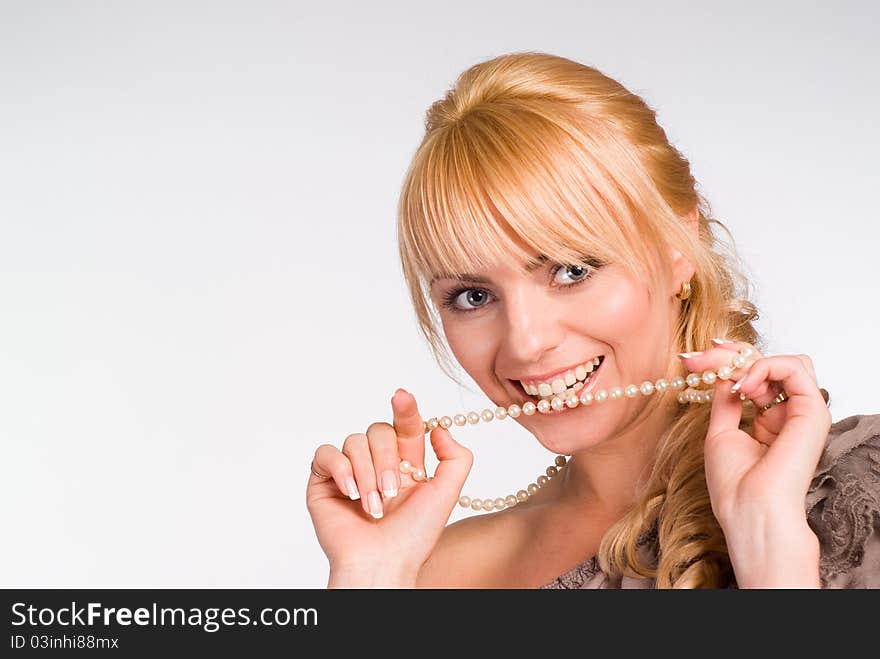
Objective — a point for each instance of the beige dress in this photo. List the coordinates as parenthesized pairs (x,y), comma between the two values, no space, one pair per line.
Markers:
(842,505)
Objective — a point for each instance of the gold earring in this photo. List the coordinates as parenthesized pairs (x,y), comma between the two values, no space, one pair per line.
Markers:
(685,292)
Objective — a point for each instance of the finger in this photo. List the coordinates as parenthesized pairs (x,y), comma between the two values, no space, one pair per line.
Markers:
(455,462)
(799,445)
(383,447)
(409,427)
(357,449)
(772,420)
(726,411)
(808,364)
(762,388)
(329,460)
(720,355)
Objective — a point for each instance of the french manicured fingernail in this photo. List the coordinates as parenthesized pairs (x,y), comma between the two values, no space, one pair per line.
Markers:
(352,488)
(721,342)
(735,387)
(685,355)
(389,484)
(375,504)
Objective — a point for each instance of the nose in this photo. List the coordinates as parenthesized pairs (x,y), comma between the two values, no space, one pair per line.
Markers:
(533,325)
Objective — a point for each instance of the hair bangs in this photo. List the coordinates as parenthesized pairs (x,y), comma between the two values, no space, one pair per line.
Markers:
(505,184)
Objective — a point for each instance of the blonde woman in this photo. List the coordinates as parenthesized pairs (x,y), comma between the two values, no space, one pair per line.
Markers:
(545,223)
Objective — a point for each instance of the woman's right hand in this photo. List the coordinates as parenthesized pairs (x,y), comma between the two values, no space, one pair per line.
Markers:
(372,536)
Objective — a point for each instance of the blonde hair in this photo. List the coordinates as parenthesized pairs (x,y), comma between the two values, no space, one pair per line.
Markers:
(535,153)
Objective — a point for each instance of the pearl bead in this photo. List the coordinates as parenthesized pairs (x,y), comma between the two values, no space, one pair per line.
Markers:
(460,419)
(677,382)
(499,503)
(661,385)
(552,471)
(560,461)
(529,408)
(487,504)
(557,403)
(473,418)
(681,397)
(572,401)
(500,413)
(405,466)
(586,398)
(532,488)
(510,500)
(465,502)
(724,372)
(433,423)
(747,351)
(522,495)
(647,388)
(446,422)
(631,391)
(542,480)
(693,379)
(418,474)
(476,504)
(600,396)
(514,411)
(543,406)
(616,393)
(739,361)
(709,377)
(487,415)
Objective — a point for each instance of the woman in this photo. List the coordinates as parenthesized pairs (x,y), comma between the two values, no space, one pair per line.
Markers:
(548,221)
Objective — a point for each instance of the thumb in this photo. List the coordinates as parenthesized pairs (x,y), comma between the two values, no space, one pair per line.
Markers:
(455,461)
(726,409)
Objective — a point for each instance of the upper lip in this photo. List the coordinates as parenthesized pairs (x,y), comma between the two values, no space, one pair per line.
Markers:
(549,375)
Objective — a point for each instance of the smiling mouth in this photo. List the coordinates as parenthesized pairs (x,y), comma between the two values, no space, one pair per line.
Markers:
(574,389)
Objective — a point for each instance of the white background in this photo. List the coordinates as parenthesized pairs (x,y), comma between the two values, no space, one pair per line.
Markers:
(198,273)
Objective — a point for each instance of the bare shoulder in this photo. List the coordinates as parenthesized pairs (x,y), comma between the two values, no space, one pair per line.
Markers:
(479,551)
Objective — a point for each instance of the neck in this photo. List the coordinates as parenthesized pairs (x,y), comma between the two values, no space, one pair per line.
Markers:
(605,477)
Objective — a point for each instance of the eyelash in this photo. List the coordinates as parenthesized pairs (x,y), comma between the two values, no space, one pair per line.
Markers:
(449,298)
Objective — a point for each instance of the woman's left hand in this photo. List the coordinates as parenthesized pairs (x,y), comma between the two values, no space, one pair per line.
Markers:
(758,484)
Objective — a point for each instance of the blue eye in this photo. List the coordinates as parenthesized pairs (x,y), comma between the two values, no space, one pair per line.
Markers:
(464,299)
(475,296)
(578,272)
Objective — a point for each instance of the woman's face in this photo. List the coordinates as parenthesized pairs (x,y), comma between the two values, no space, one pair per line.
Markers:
(505,327)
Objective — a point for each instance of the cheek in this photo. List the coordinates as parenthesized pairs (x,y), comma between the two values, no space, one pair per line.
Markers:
(623,307)
(472,345)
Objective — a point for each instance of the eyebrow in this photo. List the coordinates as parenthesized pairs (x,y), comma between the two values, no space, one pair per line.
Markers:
(467,276)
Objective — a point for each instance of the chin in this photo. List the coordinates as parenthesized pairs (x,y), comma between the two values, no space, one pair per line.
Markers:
(565,436)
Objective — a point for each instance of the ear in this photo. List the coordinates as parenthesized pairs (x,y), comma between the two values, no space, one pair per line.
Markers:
(682,270)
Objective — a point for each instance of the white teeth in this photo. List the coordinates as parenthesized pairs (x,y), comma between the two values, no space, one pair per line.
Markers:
(565,385)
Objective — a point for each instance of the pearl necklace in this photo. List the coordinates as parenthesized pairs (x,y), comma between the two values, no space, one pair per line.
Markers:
(690,394)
